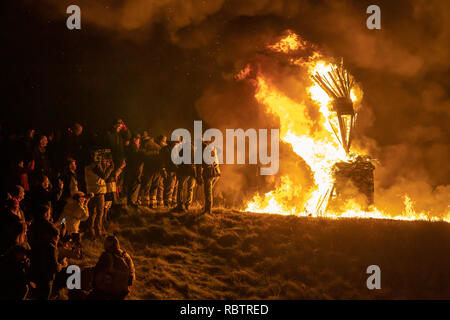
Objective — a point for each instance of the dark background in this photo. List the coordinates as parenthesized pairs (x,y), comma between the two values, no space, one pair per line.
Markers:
(157,65)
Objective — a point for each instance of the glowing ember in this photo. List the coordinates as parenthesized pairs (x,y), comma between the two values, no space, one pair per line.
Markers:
(243,73)
(291,42)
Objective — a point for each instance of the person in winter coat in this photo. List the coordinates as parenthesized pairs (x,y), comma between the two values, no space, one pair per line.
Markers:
(18,175)
(170,190)
(75,211)
(114,272)
(134,170)
(10,216)
(118,139)
(75,147)
(43,237)
(188,175)
(42,166)
(15,266)
(151,174)
(45,194)
(112,189)
(96,175)
(210,173)
(70,179)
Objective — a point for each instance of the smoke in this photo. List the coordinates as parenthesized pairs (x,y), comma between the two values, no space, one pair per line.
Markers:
(403,69)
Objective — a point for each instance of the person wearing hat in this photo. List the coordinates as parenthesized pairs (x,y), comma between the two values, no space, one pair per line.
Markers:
(114,272)
(75,211)
(70,178)
(117,140)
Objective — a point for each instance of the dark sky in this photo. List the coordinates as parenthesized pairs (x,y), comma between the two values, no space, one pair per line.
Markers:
(158,64)
(51,73)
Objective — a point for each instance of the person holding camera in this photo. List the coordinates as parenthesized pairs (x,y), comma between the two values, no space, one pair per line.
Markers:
(96,174)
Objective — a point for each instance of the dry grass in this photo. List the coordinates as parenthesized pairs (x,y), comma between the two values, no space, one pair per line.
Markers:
(257,256)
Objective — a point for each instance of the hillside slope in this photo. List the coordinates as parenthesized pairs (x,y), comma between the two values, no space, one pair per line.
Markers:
(237,255)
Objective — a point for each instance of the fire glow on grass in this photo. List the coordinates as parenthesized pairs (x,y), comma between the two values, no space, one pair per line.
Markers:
(319,148)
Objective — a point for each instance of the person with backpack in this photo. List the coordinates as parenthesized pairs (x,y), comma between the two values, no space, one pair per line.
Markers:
(114,273)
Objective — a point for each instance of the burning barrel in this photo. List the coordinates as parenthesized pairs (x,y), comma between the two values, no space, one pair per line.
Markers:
(346,119)
(353,181)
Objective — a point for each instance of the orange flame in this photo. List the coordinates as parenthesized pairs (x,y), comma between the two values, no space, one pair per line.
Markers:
(291,42)
(319,147)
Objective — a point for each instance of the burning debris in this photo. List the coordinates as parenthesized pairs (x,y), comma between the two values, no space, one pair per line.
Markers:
(323,143)
(355,174)
(352,180)
(338,84)
(343,179)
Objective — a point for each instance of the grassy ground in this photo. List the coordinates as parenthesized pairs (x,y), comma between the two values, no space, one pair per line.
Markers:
(259,256)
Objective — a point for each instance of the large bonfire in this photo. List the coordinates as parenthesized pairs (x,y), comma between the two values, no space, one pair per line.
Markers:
(334,91)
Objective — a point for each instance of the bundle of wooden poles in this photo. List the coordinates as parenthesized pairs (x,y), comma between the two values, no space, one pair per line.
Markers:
(337,83)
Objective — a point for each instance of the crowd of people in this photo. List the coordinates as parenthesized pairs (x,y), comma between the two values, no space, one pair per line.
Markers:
(59,188)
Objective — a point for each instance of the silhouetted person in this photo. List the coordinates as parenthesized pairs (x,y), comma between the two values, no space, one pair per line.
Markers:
(117,139)
(45,194)
(70,179)
(170,191)
(43,238)
(75,147)
(19,173)
(41,160)
(151,174)
(9,216)
(210,175)
(134,170)
(114,272)
(188,175)
(15,266)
